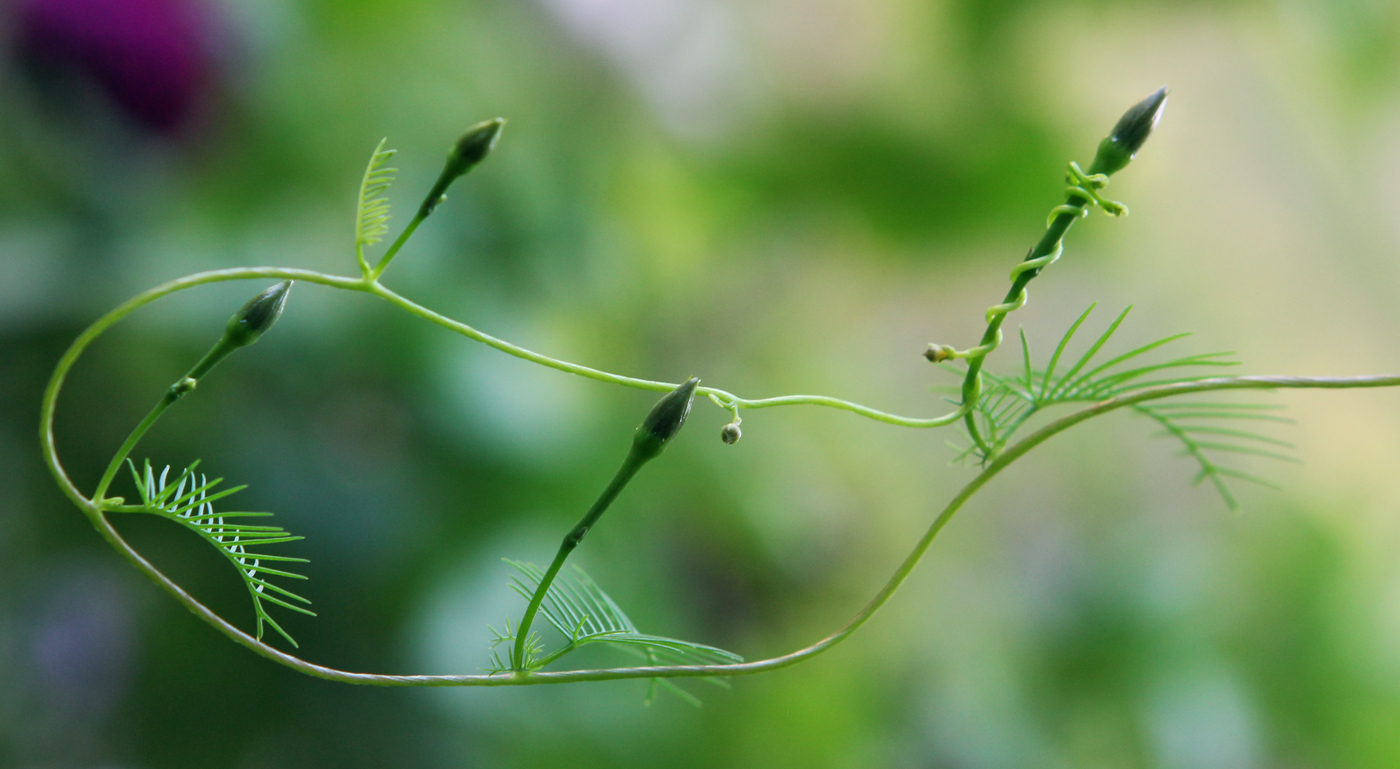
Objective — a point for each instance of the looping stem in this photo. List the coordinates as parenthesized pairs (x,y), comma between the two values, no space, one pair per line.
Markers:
(96,513)
(525,678)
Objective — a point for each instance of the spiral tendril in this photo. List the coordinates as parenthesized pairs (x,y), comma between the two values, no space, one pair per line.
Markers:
(997,311)
(1081,195)
(1083,187)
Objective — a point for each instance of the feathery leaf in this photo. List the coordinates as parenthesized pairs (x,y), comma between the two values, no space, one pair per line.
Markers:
(1006,403)
(582,613)
(189,503)
(372,213)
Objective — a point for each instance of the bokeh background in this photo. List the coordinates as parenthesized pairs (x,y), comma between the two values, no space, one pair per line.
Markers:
(779,197)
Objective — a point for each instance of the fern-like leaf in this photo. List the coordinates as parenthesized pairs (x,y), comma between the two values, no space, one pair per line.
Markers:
(190,503)
(1006,403)
(1180,421)
(583,614)
(372,214)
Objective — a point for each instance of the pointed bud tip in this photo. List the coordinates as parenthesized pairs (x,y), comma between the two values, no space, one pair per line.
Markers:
(466,153)
(666,418)
(257,316)
(1130,133)
(475,145)
(1137,123)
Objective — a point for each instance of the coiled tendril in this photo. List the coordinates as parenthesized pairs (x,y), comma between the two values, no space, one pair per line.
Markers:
(1081,194)
(1085,187)
(1082,187)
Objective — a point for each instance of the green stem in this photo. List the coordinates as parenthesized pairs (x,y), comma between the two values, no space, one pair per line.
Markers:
(758,666)
(96,513)
(517,678)
(360,284)
(634,461)
(394,248)
(556,654)
(70,357)
(110,473)
(1049,242)
(175,392)
(378,289)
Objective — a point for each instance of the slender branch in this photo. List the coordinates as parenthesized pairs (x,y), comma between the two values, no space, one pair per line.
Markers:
(517,678)
(173,393)
(70,356)
(1114,154)
(630,466)
(1049,243)
(395,246)
(378,289)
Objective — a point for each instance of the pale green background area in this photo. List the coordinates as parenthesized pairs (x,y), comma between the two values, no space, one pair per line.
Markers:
(778,197)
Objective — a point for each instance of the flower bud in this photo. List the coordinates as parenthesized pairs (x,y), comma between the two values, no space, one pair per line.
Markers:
(1129,134)
(257,316)
(665,420)
(730,433)
(469,150)
(937,353)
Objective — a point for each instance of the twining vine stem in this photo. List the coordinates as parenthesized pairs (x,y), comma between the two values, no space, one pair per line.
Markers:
(96,507)
(1114,153)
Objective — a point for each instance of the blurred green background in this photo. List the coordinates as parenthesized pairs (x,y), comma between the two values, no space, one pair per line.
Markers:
(779,197)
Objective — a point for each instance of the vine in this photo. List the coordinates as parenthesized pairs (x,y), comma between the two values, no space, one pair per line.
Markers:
(991,408)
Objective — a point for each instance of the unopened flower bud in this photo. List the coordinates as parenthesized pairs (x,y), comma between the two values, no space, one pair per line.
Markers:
(1129,134)
(938,353)
(730,433)
(469,150)
(665,420)
(257,316)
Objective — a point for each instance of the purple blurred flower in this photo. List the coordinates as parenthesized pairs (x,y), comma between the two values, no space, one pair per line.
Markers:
(151,57)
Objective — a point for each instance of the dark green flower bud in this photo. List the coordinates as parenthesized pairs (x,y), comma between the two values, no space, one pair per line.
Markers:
(665,420)
(730,433)
(1130,134)
(257,316)
(469,150)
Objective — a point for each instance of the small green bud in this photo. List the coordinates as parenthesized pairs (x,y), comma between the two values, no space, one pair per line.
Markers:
(937,353)
(469,150)
(1129,134)
(665,420)
(730,433)
(257,316)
